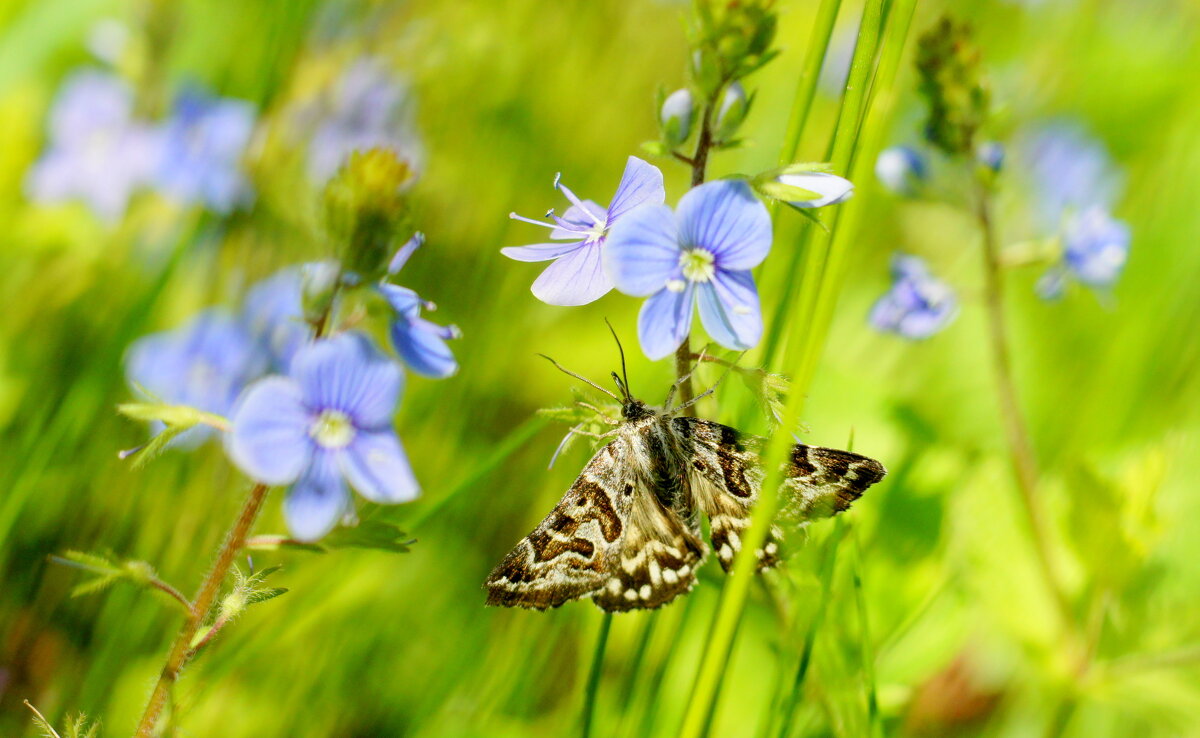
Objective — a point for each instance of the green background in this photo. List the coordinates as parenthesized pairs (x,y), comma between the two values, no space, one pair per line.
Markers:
(957,626)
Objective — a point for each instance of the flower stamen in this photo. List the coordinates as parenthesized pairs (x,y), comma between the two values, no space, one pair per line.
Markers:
(698,265)
(332,429)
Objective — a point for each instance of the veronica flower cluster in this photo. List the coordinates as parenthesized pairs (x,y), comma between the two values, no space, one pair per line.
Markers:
(101,152)
(314,415)
(698,255)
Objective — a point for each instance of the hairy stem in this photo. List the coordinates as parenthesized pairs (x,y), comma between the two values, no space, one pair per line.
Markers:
(1017,433)
(180,648)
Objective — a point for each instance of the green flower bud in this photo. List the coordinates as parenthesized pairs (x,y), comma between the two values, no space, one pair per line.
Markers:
(734,107)
(366,210)
(675,117)
(951,81)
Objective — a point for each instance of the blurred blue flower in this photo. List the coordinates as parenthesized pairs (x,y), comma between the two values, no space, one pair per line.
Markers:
(97,151)
(204,364)
(419,342)
(918,305)
(903,170)
(1071,172)
(203,144)
(991,155)
(274,313)
(1095,248)
(328,423)
(577,276)
(369,107)
(702,253)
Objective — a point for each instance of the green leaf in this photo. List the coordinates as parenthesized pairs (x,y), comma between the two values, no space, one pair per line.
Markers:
(262,595)
(277,542)
(656,148)
(369,534)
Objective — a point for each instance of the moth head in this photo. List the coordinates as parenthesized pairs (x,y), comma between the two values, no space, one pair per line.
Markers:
(632,409)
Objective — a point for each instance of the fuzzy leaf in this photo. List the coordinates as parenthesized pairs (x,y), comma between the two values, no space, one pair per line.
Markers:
(262,595)
(369,534)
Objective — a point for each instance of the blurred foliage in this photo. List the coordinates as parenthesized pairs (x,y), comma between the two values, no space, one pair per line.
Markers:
(961,637)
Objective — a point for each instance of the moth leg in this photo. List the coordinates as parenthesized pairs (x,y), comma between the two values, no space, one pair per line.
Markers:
(675,388)
(580,432)
(599,413)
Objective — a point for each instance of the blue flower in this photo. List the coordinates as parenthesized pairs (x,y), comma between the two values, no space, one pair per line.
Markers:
(1095,248)
(577,276)
(902,170)
(326,425)
(1071,171)
(204,364)
(419,342)
(702,253)
(368,108)
(203,144)
(98,152)
(274,313)
(918,304)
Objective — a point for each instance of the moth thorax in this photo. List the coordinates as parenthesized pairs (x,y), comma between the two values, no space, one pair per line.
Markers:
(635,410)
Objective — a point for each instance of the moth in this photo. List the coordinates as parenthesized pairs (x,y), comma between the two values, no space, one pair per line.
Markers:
(626,534)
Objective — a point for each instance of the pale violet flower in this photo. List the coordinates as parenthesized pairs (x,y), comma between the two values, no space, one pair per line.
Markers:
(203,144)
(700,254)
(204,364)
(273,312)
(369,107)
(903,170)
(1095,248)
(830,188)
(324,427)
(576,276)
(918,304)
(1071,172)
(97,152)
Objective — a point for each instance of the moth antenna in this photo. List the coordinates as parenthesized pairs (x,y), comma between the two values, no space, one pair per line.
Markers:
(581,379)
(621,350)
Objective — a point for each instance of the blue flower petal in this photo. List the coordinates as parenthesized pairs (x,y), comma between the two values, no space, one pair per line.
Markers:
(729,309)
(725,218)
(422,346)
(664,321)
(318,500)
(376,466)
(641,184)
(348,374)
(404,301)
(642,251)
(270,440)
(574,279)
(541,251)
(578,217)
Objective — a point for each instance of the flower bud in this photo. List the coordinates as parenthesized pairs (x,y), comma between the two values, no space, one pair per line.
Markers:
(949,64)
(734,107)
(366,211)
(901,169)
(675,117)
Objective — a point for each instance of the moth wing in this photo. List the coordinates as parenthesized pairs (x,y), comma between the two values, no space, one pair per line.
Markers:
(657,559)
(727,475)
(570,553)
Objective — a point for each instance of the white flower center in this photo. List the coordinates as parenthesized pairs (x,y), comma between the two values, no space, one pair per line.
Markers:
(332,429)
(698,265)
(596,232)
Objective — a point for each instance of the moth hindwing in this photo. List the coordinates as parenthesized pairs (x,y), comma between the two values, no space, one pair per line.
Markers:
(627,532)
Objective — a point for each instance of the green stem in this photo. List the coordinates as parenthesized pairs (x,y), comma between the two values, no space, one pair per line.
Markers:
(733,596)
(593,682)
(1020,447)
(810,74)
(828,563)
(866,650)
(645,635)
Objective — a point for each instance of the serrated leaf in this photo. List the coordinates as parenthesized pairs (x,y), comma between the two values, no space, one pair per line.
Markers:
(262,595)
(369,534)
(261,576)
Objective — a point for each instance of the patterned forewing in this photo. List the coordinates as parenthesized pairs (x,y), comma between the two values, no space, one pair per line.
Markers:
(728,475)
(571,552)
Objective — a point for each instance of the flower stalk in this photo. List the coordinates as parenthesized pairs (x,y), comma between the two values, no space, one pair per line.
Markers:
(1016,432)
